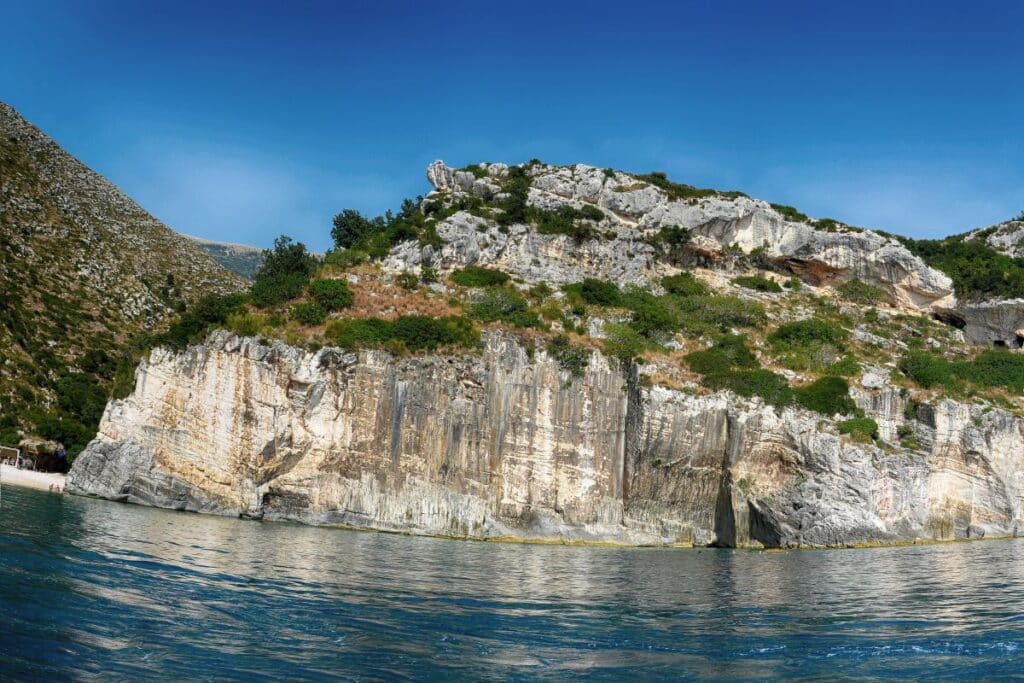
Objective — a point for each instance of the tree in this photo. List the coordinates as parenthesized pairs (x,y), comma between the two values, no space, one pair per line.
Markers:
(285,271)
(350,226)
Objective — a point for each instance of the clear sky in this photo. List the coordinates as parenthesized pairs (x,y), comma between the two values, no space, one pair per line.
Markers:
(239,121)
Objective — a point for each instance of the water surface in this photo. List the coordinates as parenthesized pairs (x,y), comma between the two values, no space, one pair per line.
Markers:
(97,590)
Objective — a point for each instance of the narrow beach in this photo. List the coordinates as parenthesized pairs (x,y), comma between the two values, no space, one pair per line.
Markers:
(36,480)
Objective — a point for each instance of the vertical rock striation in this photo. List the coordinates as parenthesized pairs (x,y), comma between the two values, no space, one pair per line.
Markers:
(505,445)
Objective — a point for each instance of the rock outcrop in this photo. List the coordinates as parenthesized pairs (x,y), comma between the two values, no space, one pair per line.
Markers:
(1006,237)
(635,212)
(506,444)
(989,323)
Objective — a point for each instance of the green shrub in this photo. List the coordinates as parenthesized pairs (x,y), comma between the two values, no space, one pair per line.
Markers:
(860,429)
(727,353)
(428,275)
(684,284)
(704,314)
(789,213)
(680,191)
(767,385)
(978,271)
(407,280)
(757,282)
(926,369)
(847,366)
(622,341)
(244,324)
(332,295)
(671,236)
(807,333)
(571,358)
(359,333)
(827,395)
(308,314)
(284,272)
(478,276)
(203,315)
(343,259)
(422,332)
(596,292)
(376,236)
(414,332)
(730,365)
(9,437)
(540,291)
(514,207)
(861,293)
(506,305)
(653,316)
(350,227)
(565,221)
(992,368)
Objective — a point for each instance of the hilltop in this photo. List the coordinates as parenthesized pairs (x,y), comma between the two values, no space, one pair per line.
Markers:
(83,269)
(583,354)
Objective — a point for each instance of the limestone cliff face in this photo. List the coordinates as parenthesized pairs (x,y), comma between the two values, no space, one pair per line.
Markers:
(506,444)
(635,212)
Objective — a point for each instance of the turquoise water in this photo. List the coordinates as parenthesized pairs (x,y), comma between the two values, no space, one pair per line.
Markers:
(97,590)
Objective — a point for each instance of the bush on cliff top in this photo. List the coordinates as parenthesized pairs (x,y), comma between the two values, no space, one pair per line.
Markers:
(411,332)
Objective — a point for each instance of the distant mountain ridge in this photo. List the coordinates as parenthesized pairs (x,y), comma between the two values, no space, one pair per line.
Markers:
(82,269)
(238,258)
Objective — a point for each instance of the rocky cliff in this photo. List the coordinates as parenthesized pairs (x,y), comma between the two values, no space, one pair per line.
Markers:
(624,246)
(504,443)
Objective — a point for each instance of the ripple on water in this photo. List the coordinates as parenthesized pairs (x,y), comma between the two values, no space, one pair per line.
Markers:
(97,590)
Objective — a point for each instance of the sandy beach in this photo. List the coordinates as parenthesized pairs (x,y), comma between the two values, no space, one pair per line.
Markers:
(36,480)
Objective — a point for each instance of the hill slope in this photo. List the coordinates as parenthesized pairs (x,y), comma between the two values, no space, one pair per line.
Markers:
(82,269)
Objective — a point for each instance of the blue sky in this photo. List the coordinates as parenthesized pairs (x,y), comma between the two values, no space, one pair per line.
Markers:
(240,121)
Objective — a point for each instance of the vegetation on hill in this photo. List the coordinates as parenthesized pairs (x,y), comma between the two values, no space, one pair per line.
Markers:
(978,271)
(83,270)
(794,348)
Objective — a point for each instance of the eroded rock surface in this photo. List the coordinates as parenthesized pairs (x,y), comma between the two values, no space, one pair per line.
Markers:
(635,212)
(505,445)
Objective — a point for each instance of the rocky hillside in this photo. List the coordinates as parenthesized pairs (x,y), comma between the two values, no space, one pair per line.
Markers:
(574,353)
(83,269)
(238,258)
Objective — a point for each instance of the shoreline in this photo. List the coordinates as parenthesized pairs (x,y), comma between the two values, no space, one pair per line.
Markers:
(41,481)
(578,543)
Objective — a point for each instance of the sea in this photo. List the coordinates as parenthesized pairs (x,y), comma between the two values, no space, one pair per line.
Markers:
(95,590)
